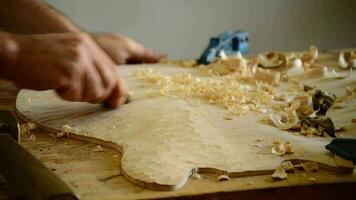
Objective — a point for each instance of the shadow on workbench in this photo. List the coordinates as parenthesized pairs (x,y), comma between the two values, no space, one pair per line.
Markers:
(324,191)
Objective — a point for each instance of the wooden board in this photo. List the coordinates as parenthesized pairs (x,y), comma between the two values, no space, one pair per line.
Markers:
(211,145)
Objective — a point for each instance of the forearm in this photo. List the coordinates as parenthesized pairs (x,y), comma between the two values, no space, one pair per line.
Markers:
(32,17)
(8,51)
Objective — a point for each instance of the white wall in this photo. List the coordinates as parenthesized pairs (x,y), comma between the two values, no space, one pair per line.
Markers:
(182,28)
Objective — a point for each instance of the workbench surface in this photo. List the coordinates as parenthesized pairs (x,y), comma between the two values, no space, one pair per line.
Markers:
(95,174)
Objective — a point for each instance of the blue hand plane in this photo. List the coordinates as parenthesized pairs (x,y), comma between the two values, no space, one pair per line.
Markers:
(230,42)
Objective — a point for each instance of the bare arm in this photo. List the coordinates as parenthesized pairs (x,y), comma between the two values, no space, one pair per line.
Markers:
(66,60)
(32,17)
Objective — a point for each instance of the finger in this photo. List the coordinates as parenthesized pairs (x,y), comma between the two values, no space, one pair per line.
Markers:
(118,95)
(71,93)
(106,70)
(93,90)
(105,67)
(139,53)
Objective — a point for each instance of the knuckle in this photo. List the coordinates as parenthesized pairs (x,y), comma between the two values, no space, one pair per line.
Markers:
(81,36)
(73,72)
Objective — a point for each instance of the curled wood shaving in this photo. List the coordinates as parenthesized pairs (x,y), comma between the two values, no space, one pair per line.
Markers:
(223,178)
(338,75)
(288,166)
(284,120)
(196,176)
(267,76)
(228,65)
(288,148)
(347,60)
(296,68)
(311,56)
(32,137)
(280,148)
(60,134)
(27,127)
(279,173)
(272,60)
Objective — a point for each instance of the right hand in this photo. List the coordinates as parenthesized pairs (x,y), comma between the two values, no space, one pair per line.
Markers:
(70,63)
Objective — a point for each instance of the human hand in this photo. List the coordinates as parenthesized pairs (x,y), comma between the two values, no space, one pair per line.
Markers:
(122,49)
(70,63)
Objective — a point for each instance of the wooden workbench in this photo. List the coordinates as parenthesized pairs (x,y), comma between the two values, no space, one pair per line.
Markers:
(94,174)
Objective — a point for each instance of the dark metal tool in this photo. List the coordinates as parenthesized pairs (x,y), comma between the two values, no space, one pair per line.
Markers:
(343,147)
(32,178)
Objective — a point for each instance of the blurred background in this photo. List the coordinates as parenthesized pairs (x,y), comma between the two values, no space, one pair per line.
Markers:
(182,28)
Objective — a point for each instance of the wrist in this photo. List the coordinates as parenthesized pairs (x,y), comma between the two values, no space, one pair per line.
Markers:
(8,53)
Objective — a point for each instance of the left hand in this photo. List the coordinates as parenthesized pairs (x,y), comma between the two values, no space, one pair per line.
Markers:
(122,49)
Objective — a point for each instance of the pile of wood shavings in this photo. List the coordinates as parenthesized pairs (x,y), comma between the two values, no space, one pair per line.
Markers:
(228,91)
(243,85)
(25,129)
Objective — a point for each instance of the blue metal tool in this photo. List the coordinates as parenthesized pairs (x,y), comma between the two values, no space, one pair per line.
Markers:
(230,42)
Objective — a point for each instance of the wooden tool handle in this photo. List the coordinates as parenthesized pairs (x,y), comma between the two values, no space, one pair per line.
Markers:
(32,178)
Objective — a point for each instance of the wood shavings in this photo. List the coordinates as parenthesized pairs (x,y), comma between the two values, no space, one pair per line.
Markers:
(32,137)
(350,91)
(27,127)
(195,175)
(284,120)
(228,65)
(219,68)
(302,103)
(334,74)
(317,126)
(188,63)
(279,173)
(296,68)
(60,134)
(315,72)
(280,148)
(288,166)
(66,128)
(267,76)
(226,91)
(311,56)
(347,60)
(272,60)
(223,178)
(288,148)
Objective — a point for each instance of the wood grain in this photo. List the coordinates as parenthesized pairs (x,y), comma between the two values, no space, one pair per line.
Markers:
(163,139)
